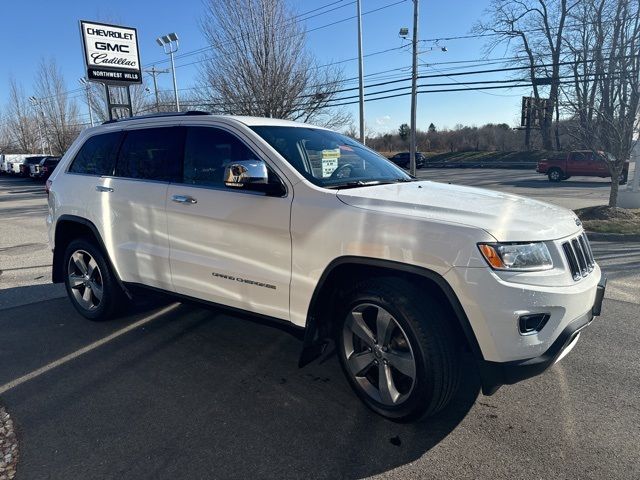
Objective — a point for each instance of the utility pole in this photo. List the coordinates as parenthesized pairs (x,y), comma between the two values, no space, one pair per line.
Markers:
(86,85)
(414,99)
(361,74)
(35,102)
(153,71)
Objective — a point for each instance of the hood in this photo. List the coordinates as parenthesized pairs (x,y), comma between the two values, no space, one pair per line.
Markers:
(505,216)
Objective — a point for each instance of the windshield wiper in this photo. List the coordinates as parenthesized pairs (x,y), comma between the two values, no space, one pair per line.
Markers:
(358,183)
(362,183)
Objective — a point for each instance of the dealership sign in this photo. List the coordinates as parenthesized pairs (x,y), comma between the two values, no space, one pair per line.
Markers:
(111,53)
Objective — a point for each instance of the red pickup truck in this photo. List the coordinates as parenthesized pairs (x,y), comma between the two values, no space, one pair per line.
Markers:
(583,162)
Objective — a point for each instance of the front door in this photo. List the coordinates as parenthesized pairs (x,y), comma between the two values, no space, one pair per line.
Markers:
(227,246)
(577,163)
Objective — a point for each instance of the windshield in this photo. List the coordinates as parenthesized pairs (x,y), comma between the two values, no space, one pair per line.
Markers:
(329,159)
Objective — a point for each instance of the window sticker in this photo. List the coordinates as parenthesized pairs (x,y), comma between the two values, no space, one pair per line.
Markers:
(330,161)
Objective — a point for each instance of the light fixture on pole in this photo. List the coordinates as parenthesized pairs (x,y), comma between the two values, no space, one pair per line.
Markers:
(84,82)
(169,44)
(37,105)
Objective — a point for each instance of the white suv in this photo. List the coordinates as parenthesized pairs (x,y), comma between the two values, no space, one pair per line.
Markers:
(301,224)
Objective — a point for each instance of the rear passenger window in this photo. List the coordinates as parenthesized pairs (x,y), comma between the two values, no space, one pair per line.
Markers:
(207,152)
(152,154)
(97,155)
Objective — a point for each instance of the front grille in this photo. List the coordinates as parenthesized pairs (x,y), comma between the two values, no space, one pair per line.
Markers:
(579,256)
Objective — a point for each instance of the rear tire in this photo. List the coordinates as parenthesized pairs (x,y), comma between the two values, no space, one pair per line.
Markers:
(555,175)
(90,283)
(393,333)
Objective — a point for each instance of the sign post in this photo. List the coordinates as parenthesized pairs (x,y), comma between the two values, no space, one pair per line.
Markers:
(112,58)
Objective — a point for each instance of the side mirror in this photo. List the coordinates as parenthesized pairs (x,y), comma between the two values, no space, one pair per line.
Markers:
(252,175)
(245,173)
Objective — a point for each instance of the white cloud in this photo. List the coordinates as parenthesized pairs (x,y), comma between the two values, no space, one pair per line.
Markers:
(381,121)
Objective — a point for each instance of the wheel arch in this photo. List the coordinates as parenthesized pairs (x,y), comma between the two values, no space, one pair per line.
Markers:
(343,271)
(68,228)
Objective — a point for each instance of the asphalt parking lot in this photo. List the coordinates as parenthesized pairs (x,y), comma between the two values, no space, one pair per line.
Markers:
(177,391)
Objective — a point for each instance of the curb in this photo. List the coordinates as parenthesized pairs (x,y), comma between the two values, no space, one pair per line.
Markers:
(613,237)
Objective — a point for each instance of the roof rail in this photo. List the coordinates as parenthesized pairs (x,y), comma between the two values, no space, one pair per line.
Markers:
(158,115)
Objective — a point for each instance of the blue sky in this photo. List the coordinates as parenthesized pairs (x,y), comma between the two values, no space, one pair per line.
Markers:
(32,30)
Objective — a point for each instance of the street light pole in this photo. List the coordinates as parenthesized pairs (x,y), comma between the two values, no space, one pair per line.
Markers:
(169,44)
(361,74)
(175,85)
(84,82)
(414,99)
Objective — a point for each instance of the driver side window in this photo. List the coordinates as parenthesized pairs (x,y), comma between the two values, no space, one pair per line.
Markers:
(207,151)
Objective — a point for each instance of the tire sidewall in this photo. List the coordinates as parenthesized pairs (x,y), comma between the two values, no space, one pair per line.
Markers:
(553,173)
(106,307)
(420,397)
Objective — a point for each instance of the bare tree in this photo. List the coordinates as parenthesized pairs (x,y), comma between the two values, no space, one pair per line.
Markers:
(533,30)
(21,121)
(260,65)
(604,96)
(60,119)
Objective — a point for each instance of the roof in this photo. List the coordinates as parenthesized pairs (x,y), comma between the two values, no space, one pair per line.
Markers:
(246,120)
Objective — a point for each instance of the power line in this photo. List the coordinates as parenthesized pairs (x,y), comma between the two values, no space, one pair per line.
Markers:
(327,25)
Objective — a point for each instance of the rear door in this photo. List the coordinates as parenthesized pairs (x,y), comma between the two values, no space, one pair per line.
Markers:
(132,204)
(228,246)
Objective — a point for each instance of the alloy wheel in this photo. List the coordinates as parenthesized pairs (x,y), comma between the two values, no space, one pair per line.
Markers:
(378,354)
(85,280)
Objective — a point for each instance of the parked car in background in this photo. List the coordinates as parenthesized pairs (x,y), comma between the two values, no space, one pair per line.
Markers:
(25,166)
(43,169)
(581,162)
(7,160)
(402,159)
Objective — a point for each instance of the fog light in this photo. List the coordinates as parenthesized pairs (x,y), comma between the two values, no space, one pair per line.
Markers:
(532,323)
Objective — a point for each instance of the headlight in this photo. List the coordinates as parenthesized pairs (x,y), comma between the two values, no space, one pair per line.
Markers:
(517,256)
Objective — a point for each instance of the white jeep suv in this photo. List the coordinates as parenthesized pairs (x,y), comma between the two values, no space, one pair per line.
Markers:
(301,224)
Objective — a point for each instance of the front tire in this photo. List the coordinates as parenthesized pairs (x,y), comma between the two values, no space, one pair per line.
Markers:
(90,283)
(555,175)
(397,349)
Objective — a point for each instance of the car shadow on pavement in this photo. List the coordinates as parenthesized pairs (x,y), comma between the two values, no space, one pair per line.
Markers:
(198,393)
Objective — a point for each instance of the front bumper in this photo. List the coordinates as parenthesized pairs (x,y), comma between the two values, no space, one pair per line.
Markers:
(495,374)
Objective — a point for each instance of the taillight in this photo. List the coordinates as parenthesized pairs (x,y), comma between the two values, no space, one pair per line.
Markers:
(47,186)
(45,169)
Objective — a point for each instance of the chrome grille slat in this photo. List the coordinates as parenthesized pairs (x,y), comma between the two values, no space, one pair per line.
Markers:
(587,251)
(573,261)
(582,259)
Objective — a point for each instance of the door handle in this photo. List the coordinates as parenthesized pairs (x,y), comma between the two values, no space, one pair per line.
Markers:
(100,188)
(184,199)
